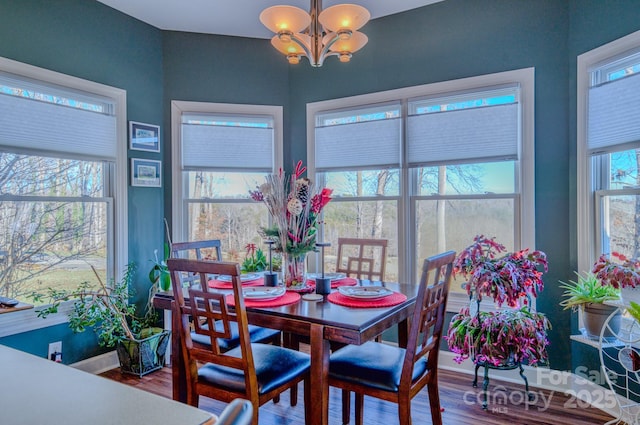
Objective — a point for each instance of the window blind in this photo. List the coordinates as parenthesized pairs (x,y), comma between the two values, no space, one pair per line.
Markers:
(46,119)
(475,133)
(372,141)
(614,115)
(229,142)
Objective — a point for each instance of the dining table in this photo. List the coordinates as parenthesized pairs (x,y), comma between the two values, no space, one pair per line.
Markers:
(322,322)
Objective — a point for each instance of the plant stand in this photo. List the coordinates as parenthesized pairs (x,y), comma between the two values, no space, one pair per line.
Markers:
(620,362)
(510,365)
(485,381)
(143,356)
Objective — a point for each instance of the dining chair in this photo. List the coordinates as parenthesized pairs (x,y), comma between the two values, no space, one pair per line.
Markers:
(253,371)
(362,258)
(397,374)
(211,249)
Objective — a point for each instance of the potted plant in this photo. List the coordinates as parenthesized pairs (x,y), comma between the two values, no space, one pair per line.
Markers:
(507,278)
(499,338)
(140,345)
(507,337)
(159,274)
(620,272)
(588,294)
(254,260)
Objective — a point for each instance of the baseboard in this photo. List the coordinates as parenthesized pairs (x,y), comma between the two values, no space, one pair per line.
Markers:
(98,364)
(582,388)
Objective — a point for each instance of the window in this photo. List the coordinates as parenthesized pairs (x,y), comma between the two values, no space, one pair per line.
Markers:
(357,154)
(221,152)
(63,201)
(609,150)
(428,167)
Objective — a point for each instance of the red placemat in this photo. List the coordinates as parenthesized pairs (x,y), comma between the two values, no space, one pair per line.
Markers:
(286,299)
(393,299)
(221,284)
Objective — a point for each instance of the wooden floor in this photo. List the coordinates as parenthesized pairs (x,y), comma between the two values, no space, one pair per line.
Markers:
(460,401)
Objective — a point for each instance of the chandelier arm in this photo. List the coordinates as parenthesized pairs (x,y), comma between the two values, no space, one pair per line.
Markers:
(300,42)
(327,46)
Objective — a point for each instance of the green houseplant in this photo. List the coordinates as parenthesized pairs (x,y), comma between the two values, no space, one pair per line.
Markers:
(254,260)
(106,309)
(159,274)
(588,294)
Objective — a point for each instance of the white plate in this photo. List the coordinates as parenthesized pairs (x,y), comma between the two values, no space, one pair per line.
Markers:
(263,293)
(243,277)
(332,276)
(364,292)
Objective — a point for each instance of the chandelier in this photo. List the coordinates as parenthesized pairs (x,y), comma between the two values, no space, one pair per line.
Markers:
(317,34)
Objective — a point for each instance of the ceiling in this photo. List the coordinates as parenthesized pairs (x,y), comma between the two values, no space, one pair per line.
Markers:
(234,17)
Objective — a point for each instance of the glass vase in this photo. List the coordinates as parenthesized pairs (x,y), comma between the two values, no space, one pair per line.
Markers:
(294,269)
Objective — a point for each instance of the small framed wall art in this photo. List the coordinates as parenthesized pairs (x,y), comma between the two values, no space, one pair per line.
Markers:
(146,172)
(144,137)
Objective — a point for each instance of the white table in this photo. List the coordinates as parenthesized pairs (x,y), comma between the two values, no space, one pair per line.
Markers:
(36,391)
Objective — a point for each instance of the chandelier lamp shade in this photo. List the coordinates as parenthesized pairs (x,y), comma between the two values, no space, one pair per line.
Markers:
(317,34)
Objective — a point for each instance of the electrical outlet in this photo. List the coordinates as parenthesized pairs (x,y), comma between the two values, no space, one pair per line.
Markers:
(55,351)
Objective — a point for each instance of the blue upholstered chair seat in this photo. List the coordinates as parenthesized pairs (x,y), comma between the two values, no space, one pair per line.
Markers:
(372,364)
(256,333)
(274,366)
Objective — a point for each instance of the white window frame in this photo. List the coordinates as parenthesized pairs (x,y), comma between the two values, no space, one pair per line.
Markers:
(27,320)
(178,108)
(588,234)
(525,210)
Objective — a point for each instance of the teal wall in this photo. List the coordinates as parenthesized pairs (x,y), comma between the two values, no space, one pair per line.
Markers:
(448,40)
(86,39)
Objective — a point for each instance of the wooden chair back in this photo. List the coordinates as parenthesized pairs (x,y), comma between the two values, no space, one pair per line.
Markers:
(198,250)
(210,249)
(427,323)
(362,258)
(207,307)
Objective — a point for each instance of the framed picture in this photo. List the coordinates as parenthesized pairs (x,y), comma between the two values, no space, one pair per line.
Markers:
(146,172)
(144,137)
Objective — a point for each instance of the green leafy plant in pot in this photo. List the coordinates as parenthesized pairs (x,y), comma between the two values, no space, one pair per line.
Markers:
(159,274)
(588,294)
(140,345)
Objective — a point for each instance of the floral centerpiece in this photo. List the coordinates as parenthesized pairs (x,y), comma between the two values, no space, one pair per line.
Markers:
(620,272)
(507,337)
(295,205)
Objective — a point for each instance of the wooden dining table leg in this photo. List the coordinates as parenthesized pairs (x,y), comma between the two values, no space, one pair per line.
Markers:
(403,333)
(319,379)
(178,369)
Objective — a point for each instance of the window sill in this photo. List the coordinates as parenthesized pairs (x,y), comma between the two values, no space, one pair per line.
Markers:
(16,322)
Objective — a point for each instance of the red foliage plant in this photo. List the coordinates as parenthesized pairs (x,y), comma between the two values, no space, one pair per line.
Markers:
(617,274)
(506,278)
